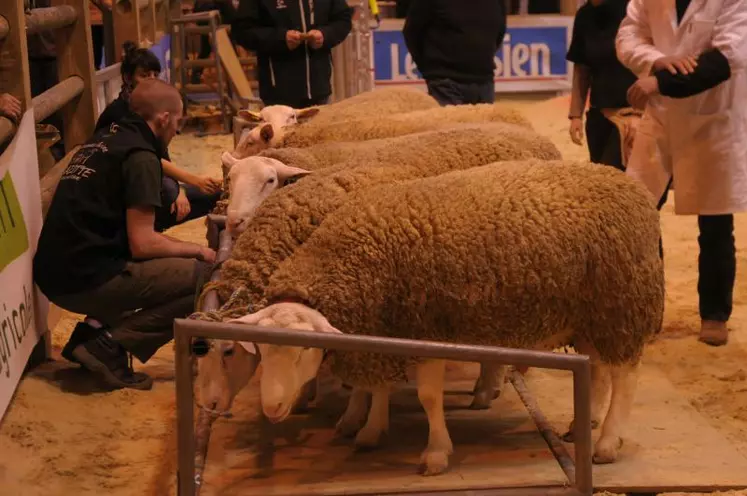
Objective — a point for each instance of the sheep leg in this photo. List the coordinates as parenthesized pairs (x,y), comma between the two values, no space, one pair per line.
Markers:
(355,414)
(600,389)
(430,377)
(488,386)
(378,420)
(624,382)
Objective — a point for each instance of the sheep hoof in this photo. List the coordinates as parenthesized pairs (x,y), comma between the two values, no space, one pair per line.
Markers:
(568,436)
(434,462)
(483,399)
(368,439)
(607,450)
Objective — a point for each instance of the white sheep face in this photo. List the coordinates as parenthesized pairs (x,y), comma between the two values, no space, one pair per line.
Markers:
(278,117)
(286,369)
(251,180)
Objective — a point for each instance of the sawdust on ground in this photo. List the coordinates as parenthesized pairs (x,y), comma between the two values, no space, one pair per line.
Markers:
(63,435)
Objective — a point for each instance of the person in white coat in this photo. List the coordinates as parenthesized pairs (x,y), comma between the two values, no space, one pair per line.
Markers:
(691,58)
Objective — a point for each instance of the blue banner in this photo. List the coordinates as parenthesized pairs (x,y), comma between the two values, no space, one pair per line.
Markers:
(528,53)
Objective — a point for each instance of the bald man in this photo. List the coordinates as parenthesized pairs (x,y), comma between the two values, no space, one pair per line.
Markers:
(99,255)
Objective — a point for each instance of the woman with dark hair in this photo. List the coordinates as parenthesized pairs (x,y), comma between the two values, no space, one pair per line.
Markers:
(179,202)
(596,70)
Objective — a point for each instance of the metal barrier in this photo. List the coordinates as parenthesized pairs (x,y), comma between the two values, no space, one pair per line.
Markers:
(74,94)
(578,471)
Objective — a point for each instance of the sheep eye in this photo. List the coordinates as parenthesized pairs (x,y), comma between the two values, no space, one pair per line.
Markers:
(228,352)
(270,181)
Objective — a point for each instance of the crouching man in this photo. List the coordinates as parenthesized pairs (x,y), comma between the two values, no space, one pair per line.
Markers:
(98,252)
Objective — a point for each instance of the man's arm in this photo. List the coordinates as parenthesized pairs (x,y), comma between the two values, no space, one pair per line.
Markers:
(729,54)
(634,43)
(339,25)
(248,32)
(712,70)
(418,17)
(141,175)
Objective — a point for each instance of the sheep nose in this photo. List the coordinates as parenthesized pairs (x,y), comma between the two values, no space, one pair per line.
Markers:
(273,412)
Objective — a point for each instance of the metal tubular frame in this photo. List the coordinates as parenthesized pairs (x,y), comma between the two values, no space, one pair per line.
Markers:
(579,474)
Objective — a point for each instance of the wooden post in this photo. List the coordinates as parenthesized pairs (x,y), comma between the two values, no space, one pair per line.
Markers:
(127,24)
(148,25)
(75,58)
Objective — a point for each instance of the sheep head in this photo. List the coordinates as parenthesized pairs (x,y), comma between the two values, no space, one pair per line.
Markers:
(250,181)
(222,372)
(286,369)
(276,118)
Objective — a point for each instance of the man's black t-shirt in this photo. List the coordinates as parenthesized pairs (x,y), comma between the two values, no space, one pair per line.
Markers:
(83,242)
(593,45)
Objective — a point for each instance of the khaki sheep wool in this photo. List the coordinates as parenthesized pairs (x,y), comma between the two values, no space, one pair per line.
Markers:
(429,143)
(507,254)
(289,216)
(366,128)
(374,104)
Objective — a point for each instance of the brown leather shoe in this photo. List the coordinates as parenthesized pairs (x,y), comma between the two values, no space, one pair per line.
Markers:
(713,332)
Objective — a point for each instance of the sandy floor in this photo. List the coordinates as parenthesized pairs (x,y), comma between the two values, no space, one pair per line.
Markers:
(64,436)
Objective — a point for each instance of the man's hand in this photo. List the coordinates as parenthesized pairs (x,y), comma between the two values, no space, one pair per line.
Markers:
(315,39)
(641,91)
(576,130)
(685,64)
(181,205)
(209,185)
(206,255)
(293,39)
(10,106)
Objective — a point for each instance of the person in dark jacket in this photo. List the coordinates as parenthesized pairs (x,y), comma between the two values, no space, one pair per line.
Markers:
(597,70)
(293,40)
(454,47)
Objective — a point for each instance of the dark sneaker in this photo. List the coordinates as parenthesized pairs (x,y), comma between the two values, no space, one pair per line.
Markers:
(111,362)
(82,333)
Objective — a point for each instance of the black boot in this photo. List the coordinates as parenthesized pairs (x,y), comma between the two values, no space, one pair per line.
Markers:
(110,361)
(82,333)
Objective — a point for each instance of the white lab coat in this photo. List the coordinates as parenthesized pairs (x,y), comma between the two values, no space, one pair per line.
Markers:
(700,140)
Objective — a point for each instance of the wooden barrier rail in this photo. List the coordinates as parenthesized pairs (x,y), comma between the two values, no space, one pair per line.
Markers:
(48,18)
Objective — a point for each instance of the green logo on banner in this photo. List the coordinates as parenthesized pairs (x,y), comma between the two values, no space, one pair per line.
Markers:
(13,238)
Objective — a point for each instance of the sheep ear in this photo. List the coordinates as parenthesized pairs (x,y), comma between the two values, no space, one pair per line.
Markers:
(306,114)
(250,115)
(252,318)
(266,133)
(228,160)
(286,172)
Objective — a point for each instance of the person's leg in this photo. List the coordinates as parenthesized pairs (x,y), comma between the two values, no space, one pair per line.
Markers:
(596,135)
(165,218)
(484,93)
(612,152)
(200,203)
(139,305)
(445,92)
(717,267)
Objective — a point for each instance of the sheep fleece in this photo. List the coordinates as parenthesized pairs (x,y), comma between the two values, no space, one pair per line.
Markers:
(368,128)
(289,216)
(429,143)
(505,255)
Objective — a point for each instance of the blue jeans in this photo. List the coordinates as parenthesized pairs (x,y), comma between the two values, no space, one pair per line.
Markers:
(450,92)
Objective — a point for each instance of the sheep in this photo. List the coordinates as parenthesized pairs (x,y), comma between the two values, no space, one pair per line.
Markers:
(366,128)
(530,255)
(372,104)
(329,155)
(287,218)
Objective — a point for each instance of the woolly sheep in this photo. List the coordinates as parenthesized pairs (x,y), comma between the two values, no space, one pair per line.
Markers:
(289,216)
(327,155)
(371,104)
(364,128)
(523,255)
(343,167)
